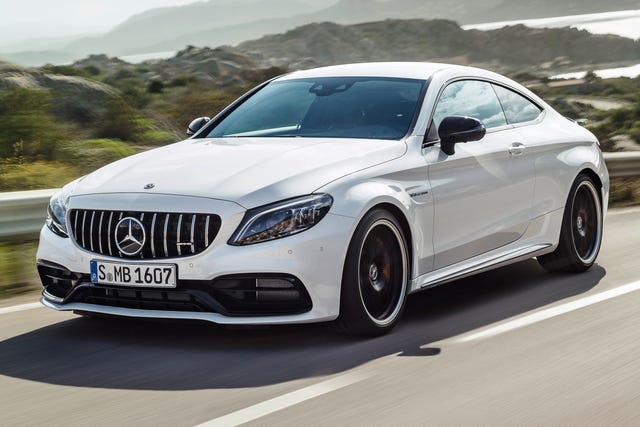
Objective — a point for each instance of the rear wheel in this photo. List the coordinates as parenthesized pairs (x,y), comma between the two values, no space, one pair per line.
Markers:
(374,280)
(581,233)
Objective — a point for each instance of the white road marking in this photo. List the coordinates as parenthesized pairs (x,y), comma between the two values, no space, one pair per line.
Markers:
(286,400)
(21,307)
(622,211)
(551,312)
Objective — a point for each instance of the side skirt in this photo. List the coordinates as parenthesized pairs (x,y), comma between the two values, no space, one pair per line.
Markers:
(469,268)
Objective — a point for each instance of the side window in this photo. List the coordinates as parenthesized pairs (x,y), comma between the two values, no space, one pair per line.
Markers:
(517,108)
(471,98)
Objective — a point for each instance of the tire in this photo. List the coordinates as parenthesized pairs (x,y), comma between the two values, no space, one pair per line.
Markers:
(581,231)
(375,276)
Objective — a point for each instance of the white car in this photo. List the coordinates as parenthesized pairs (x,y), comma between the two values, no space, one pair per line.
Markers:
(330,194)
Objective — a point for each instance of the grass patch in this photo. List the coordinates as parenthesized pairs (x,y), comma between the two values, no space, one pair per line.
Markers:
(36,175)
(18,273)
(158,138)
(624,192)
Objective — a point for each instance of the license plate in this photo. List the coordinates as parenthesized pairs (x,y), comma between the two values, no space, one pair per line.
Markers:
(135,275)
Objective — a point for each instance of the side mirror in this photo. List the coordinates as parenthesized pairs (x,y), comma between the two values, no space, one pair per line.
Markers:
(455,129)
(196,125)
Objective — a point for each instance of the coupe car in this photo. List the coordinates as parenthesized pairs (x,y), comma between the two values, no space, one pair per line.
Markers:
(330,194)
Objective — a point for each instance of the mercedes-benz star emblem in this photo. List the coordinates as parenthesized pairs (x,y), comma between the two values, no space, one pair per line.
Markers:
(130,236)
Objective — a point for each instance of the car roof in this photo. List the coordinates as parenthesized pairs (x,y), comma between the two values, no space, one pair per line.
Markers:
(407,70)
(411,70)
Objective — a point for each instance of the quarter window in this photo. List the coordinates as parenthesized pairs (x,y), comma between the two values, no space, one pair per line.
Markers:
(472,98)
(517,108)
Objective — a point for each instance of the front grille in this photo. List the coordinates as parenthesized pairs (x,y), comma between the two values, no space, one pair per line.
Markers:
(167,235)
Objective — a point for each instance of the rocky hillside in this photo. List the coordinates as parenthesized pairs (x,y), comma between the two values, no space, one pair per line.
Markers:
(466,12)
(438,40)
(72,92)
(229,22)
(83,90)
(507,49)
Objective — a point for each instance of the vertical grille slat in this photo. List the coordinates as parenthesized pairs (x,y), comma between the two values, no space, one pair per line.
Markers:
(193,229)
(93,215)
(153,235)
(75,224)
(206,232)
(164,240)
(178,242)
(100,232)
(119,218)
(166,234)
(109,238)
(146,234)
(84,218)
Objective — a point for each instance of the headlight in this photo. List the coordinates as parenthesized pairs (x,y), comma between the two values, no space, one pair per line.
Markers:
(57,210)
(281,219)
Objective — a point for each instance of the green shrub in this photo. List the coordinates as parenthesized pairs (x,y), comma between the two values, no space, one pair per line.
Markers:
(92,70)
(66,70)
(181,81)
(26,119)
(191,104)
(155,86)
(120,121)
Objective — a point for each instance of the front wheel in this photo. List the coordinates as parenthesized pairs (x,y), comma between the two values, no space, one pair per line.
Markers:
(375,276)
(581,232)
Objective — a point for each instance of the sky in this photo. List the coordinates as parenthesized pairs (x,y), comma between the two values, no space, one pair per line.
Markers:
(26,19)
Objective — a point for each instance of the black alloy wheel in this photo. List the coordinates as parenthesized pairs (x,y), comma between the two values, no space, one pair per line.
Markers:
(581,233)
(375,277)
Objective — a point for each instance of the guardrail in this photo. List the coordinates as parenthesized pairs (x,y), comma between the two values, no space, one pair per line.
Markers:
(22,213)
(623,165)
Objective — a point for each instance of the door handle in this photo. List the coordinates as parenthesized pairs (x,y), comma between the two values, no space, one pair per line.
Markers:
(516,149)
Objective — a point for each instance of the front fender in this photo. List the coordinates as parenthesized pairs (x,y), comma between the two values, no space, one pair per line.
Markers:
(404,191)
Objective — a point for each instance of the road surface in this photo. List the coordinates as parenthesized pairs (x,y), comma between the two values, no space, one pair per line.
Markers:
(515,346)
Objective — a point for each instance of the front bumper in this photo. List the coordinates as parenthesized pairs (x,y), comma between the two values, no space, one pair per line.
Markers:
(312,259)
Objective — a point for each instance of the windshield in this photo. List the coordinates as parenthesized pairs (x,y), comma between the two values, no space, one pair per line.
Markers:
(331,107)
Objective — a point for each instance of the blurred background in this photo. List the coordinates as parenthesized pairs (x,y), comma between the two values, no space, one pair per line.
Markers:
(86,82)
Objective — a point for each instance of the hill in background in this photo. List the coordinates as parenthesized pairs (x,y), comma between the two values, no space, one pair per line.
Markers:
(508,49)
(230,22)
(221,22)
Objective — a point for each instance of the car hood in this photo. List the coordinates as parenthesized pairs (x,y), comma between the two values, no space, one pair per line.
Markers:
(249,171)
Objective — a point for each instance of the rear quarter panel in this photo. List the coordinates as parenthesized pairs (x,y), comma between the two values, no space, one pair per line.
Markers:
(561,150)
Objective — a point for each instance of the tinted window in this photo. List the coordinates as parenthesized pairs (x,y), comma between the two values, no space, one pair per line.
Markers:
(517,108)
(340,107)
(470,98)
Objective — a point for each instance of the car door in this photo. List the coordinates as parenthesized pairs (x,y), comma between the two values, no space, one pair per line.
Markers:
(483,193)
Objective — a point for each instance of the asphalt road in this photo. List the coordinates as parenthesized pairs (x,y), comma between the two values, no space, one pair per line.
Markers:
(515,346)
